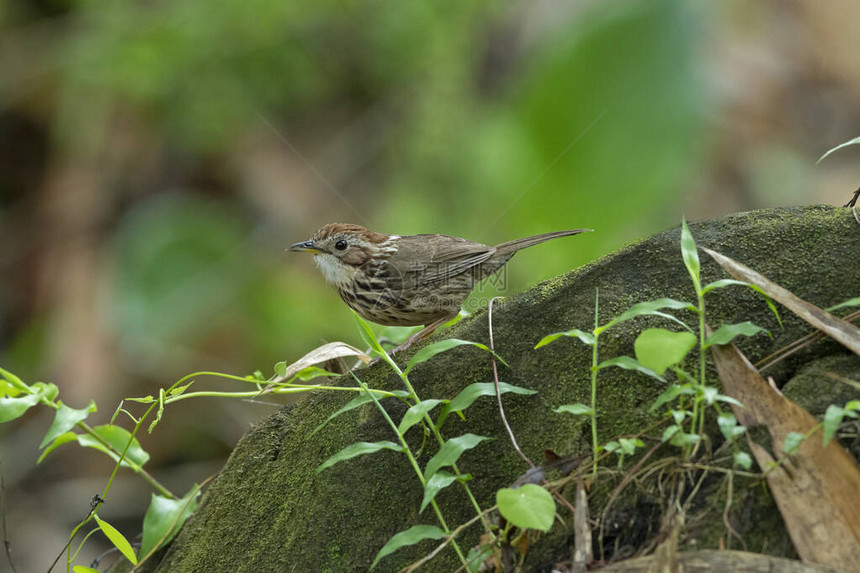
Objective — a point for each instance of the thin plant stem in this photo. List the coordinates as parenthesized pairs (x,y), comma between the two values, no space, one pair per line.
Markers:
(149,478)
(281,390)
(437,434)
(414,463)
(414,566)
(67,549)
(702,356)
(594,363)
(81,544)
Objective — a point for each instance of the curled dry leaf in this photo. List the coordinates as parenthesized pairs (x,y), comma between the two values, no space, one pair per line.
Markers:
(842,331)
(318,355)
(818,496)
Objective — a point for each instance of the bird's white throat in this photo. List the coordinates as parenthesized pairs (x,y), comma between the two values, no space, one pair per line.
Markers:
(334,272)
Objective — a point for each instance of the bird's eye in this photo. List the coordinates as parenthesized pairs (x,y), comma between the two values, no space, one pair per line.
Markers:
(340,245)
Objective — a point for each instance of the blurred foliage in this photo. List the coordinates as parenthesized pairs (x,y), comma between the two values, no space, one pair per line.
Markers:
(598,124)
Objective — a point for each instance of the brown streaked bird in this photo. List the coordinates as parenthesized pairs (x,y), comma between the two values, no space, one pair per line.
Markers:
(407,280)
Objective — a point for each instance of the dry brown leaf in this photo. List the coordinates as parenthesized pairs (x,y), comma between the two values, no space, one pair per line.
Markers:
(842,331)
(817,491)
(318,355)
(582,555)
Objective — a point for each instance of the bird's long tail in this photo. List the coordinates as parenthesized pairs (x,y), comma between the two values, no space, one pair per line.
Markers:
(514,246)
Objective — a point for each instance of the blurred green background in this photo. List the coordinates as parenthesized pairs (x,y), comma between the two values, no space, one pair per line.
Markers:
(157,157)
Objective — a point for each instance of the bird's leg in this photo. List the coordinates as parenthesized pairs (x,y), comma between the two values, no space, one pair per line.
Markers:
(423,333)
(853,200)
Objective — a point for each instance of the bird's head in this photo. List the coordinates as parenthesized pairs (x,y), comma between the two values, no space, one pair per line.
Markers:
(340,249)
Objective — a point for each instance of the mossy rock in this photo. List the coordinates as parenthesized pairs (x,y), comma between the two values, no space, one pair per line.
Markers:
(270,510)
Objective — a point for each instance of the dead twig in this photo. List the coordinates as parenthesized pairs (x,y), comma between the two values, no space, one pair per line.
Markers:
(498,393)
(7,545)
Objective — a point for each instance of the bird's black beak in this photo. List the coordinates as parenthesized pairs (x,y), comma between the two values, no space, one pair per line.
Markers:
(304,246)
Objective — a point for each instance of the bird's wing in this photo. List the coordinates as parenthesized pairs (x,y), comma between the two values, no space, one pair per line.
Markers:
(439,257)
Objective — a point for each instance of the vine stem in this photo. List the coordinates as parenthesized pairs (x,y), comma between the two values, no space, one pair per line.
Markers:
(414,463)
(702,358)
(415,566)
(137,469)
(68,548)
(283,390)
(438,435)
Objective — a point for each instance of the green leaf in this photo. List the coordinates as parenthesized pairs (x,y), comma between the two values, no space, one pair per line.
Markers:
(450,452)
(629,445)
(743,460)
(360,400)
(46,392)
(416,413)
(850,302)
(165,517)
(439,481)
(118,539)
(792,442)
(575,409)
(727,332)
(65,419)
(7,389)
(709,393)
(726,282)
(832,418)
(82,569)
(117,437)
(58,441)
(679,415)
(854,141)
(411,536)
(651,308)
(477,555)
(683,439)
(658,348)
(729,400)
(629,363)
(281,369)
(669,433)
(432,350)
(722,283)
(527,507)
(670,394)
(12,408)
(585,337)
(16,382)
(179,390)
(729,426)
(359,449)
(474,391)
(367,335)
(769,302)
(690,254)
(312,372)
